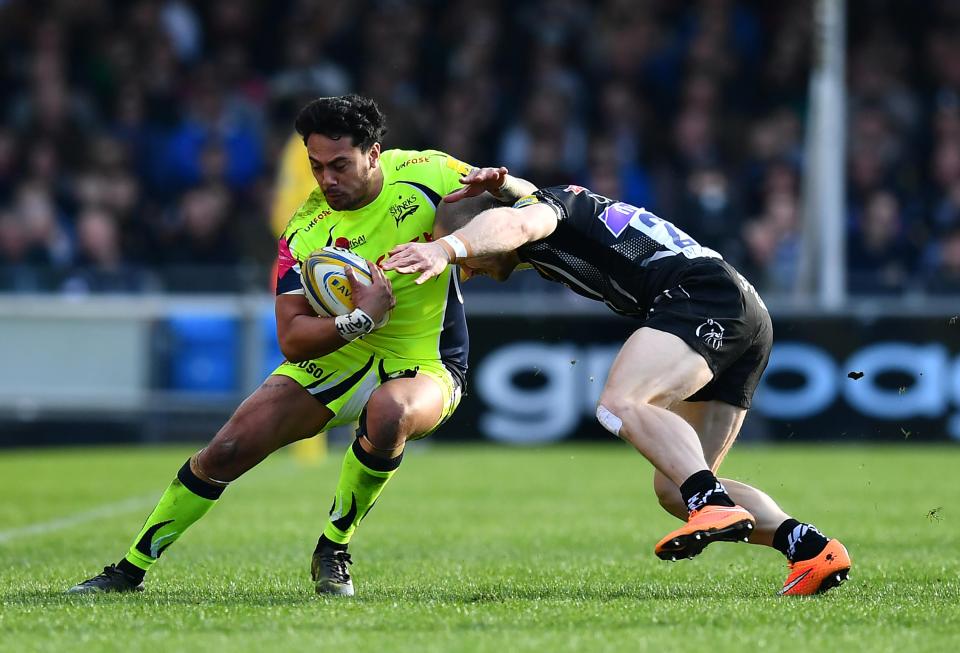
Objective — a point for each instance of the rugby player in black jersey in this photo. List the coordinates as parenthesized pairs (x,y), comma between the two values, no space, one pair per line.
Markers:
(680,387)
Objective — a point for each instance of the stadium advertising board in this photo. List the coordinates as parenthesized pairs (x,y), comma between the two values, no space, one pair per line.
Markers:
(843,378)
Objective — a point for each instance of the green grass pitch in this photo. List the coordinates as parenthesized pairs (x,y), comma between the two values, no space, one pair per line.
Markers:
(480,548)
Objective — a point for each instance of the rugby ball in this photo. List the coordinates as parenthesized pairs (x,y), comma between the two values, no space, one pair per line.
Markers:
(324,283)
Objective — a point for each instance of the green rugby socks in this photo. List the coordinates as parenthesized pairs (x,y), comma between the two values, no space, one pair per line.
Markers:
(186,499)
(362,478)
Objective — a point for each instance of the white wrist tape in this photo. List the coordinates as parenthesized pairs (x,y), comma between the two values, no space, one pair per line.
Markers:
(459,247)
(354,325)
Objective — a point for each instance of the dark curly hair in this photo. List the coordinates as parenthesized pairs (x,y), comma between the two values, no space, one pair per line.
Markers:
(345,115)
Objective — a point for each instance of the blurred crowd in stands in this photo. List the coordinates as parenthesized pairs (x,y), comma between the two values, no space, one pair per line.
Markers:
(140,139)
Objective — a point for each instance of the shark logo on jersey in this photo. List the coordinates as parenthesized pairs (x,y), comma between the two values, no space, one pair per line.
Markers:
(711,332)
(404,209)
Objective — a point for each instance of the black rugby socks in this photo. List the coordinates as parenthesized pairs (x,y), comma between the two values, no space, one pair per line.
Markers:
(704,489)
(798,541)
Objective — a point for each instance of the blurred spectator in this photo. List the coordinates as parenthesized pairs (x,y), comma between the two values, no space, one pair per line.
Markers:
(772,245)
(219,137)
(100,265)
(946,180)
(610,175)
(943,275)
(182,24)
(709,211)
(548,145)
(14,247)
(201,235)
(8,165)
(773,156)
(306,73)
(946,214)
(47,243)
(622,115)
(880,259)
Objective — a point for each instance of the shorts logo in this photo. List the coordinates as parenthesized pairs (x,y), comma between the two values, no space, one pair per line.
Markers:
(712,333)
(311,368)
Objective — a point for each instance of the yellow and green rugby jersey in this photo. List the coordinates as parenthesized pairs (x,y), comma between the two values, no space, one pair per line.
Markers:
(428,321)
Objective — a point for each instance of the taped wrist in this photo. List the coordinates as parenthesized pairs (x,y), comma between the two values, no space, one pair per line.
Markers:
(354,325)
(456,248)
(503,193)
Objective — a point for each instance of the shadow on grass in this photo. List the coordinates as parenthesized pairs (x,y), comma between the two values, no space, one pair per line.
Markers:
(374,594)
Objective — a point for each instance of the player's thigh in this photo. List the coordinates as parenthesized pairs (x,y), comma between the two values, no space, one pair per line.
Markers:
(717,424)
(277,413)
(413,403)
(655,367)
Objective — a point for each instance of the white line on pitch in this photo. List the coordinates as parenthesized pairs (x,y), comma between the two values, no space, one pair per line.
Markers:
(111,509)
(106,510)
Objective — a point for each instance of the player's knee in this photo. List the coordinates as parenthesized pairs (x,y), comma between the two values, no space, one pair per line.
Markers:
(609,417)
(220,456)
(613,408)
(387,421)
(225,451)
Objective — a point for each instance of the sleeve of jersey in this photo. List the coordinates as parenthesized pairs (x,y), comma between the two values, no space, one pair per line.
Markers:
(451,170)
(288,269)
(547,197)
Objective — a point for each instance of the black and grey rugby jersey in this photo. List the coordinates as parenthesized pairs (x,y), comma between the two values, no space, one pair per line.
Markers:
(608,250)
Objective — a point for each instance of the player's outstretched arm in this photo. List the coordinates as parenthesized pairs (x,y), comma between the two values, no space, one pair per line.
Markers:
(504,187)
(303,335)
(492,232)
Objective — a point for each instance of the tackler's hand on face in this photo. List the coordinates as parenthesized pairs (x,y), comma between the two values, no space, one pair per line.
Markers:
(477,181)
(430,259)
(375,299)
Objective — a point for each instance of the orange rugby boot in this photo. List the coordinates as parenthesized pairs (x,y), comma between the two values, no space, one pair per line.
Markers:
(709,524)
(818,574)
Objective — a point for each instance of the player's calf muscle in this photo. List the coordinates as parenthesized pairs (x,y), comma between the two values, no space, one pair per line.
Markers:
(668,494)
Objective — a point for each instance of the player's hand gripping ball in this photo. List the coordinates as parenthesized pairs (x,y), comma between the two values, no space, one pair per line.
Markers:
(325,284)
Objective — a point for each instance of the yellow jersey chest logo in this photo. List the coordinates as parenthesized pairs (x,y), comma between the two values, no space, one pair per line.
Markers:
(317,219)
(350,243)
(404,207)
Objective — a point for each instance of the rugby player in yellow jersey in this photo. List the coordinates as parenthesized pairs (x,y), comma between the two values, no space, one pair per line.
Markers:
(398,372)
